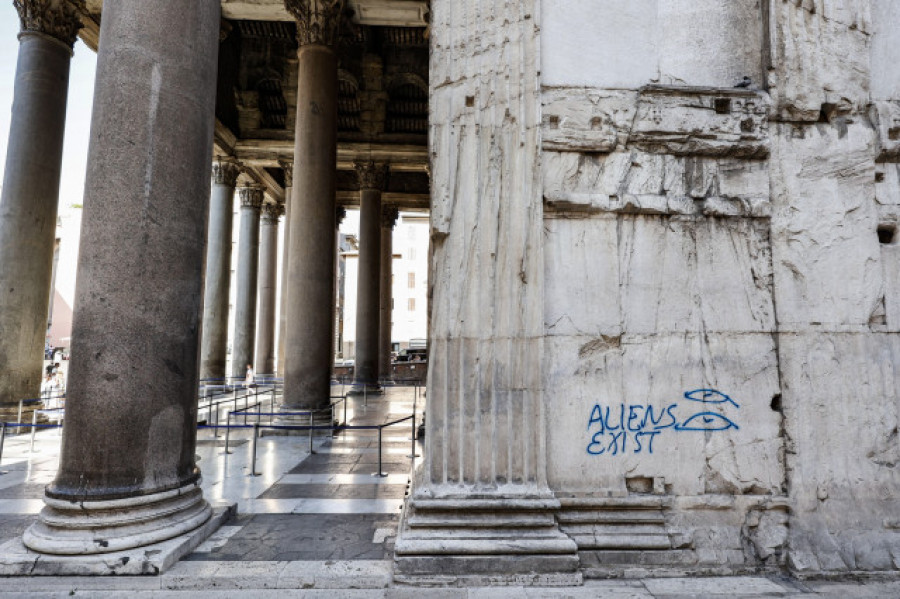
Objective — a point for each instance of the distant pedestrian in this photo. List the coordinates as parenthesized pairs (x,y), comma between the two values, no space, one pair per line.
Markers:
(248,381)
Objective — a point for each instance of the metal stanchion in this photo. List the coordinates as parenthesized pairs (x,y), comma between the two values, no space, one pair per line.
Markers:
(310,431)
(345,410)
(365,395)
(333,428)
(380,472)
(33,428)
(253,450)
(413,454)
(19,419)
(227,431)
(2,439)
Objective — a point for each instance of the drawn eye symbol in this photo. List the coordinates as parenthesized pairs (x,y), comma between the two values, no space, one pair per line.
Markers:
(706,421)
(709,396)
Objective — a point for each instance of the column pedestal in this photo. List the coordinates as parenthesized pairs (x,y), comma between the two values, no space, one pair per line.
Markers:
(28,205)
(127,475)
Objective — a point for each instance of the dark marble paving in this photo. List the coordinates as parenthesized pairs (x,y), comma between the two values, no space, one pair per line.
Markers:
(303,537)
(327,467)
(325,491)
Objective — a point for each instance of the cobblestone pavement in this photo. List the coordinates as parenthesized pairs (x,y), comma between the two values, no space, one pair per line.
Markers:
(322,525)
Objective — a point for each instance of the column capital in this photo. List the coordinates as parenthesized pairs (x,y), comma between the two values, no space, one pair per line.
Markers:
(225,171)
(372,175)
(288,167)
(251,196)
(318,21)
(340,213)
(59,19)
(272,212)
(389,215)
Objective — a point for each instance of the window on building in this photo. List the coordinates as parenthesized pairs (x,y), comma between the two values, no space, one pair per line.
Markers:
(412,304)
(412,280)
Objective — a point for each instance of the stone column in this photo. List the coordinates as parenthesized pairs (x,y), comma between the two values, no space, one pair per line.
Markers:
(388,220)
(288,168)
(247,274)
(214,344)
(310,286)
(482,505)
(127,475)
(268,274)
(31,193)
(372,178)
(340,214)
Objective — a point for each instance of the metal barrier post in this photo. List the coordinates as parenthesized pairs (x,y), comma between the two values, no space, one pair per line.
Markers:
(310,431)
(33,429)
(216,429)
(19,419)
(227,431)
(413,454)
(380,470)
(333,428)
(2,438)
(365,395)
(253,450)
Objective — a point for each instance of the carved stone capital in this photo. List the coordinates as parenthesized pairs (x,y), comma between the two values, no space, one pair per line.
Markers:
(340,213)
(272,212)
(226,172)
(389,216)
(288,167)
(58,19)
(251,196)
(372,175)
(318,21)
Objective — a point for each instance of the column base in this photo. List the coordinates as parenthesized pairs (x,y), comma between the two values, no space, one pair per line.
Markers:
(358,388)
(92,527)
(484,541)
(17,560)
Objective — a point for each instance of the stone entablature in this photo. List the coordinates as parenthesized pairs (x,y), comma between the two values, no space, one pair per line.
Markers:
(57,18)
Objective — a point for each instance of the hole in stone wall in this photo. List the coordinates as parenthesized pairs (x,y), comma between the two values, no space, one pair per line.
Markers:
(722,105)
(886,234)
(554,122)
(827,112)
(747,125)
(639,484)
(894,134)
(470,101)
(879,177)
(596,123)
(776,403)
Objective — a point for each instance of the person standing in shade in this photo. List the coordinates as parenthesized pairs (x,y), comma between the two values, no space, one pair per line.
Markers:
(248,380)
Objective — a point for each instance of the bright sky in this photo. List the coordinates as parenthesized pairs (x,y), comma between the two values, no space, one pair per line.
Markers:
(78,120)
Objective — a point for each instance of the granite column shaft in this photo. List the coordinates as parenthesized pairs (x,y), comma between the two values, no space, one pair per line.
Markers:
(214,344)
(388,218)
(28,206)
(127,475)
(309,335)
(368,288)
(268,278)
(288,168)
(247,277)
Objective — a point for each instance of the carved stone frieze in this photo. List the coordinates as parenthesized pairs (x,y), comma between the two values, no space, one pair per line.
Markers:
(57,18)
(251,197)
(226,172)
(372,175)
(318,21)
(389,216)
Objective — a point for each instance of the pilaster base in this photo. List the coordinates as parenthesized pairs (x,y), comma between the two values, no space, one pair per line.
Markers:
(17,560)
(484,541)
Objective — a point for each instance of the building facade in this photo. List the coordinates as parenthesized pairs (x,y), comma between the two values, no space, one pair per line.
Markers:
(664,319)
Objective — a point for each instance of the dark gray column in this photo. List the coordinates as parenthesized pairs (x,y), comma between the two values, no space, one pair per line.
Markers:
(310,285)
(372,177)
(31,193)
(127,475)
(246,281)
(214,344)
(268,274)
(288,168)
(388,220)
(340,214)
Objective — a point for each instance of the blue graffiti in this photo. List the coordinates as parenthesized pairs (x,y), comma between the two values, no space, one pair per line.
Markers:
(634,427)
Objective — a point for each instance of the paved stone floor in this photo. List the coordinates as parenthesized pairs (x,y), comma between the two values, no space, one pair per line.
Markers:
(321,525)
